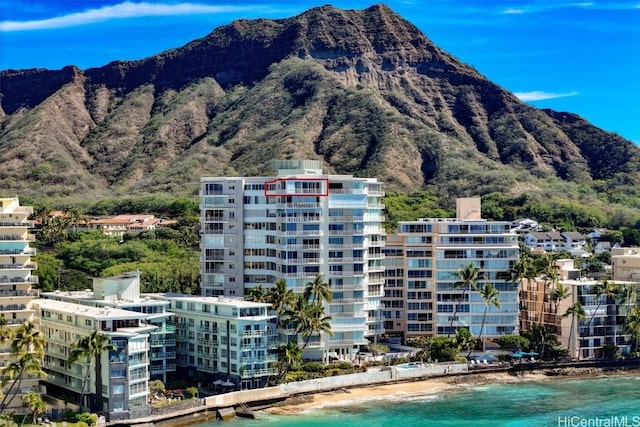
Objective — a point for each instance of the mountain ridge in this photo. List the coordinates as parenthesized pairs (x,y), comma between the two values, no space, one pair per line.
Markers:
(363,90)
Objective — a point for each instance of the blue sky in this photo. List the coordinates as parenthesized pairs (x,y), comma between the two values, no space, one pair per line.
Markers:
(576,56)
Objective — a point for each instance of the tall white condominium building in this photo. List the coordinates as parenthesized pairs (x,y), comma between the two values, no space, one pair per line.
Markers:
(434,251)
(118,382)
(294,226)
(16,280)
(123,292)
(224,339)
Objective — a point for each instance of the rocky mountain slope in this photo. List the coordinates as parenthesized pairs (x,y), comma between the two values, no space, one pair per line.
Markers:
(364,90)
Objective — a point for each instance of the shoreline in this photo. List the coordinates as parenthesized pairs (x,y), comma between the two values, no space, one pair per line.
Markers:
(431,387)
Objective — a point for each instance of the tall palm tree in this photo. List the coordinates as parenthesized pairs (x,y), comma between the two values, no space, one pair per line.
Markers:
(298,316)
(558,294)
(91,347)
(35,404)
(28,364)
(257,294)
(468,276)
(5,332)
(632,326)
(489,294)
(28,339)
(289,356)
(547,266)
(604,290)
(317,324)
(319,289)
(280,297)
(576,311)
(626,297)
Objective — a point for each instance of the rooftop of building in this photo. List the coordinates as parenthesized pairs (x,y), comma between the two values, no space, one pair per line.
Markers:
(97,313)
(226,301)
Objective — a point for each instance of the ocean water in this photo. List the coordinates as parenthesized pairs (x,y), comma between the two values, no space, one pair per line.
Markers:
(611,401)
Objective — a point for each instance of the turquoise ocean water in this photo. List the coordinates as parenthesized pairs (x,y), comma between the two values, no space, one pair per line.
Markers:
(560,403)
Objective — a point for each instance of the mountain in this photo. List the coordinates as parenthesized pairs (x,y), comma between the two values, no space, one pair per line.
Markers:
(364,90)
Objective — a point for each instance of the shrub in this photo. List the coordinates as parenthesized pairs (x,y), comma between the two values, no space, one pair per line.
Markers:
(313,367)
(191,392)
(87,418)
(70,416)
(510,342)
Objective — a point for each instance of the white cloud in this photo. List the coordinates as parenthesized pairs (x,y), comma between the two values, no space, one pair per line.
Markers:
(120,11)
(538,95)
(513,11)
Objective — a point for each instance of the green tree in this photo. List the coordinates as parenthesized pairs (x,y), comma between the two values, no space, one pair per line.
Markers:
(489,295)
(280,297)
(576,311)
(468,276)
(318,290)
(35,404)
(27,352)
(27,364)
(90,347)
(289,357)
(257,294)
(632,326)
(317,324)
(605,291)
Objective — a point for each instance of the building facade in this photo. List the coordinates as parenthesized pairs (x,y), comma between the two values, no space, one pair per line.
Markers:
(433,252)
(296,225)
(226,339)
(16,281)
(625,264)
(118,382)
(123,292)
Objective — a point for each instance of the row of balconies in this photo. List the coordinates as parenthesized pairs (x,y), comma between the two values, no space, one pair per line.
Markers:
(162,343)
(26,224)
(18,237)
(250,373)
(31,293)
(25,266)
(30,279)
(13,307)
(170,368)
(164,355)
(26,251)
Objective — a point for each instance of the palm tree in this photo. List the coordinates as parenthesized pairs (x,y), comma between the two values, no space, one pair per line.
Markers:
(5,332)
(632,326)
(558,294)
(280,297)
(626,297)
(35,404)
(91,347)
(469,276)
(547,266)
(317,323)
(28,339)
(298,316)
(575,311)
(604,289)
(319,289)
(489,294)
(27,364)
(257,294)
(289,356)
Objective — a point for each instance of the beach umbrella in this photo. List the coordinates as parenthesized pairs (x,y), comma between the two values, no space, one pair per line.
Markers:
(228,384)
(218,382)
(518,354)
(533,353)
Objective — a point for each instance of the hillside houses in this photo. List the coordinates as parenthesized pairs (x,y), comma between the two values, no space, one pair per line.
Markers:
(571,241)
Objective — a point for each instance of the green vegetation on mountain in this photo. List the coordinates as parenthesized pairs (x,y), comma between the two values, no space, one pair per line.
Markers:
(363,90)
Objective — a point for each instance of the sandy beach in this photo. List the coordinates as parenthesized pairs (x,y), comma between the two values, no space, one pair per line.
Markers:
(434,386)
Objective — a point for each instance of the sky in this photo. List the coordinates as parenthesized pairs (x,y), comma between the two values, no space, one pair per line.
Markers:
(576,56)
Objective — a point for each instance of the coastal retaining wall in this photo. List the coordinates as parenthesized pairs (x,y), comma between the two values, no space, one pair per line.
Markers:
(282,391)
